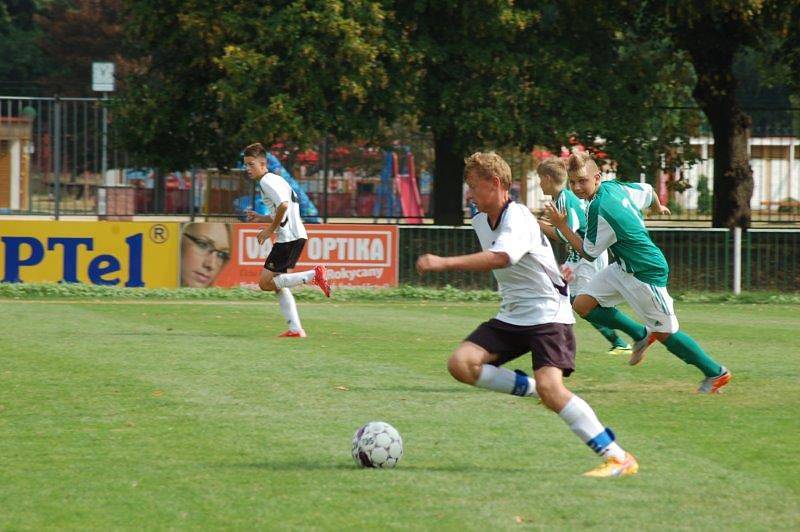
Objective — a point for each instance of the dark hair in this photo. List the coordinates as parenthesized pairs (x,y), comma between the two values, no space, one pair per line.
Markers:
(255,150)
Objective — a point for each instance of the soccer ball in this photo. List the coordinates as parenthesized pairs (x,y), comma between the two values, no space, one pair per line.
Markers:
(377,444)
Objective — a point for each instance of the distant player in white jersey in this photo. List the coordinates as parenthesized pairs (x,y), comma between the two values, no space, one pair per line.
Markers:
(553,181)
(286,223)
(535,314)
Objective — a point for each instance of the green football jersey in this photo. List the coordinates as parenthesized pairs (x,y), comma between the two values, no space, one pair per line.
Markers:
(575,209)
(615,221)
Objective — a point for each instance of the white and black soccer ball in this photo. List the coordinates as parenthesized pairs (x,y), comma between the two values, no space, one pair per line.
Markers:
(377,444)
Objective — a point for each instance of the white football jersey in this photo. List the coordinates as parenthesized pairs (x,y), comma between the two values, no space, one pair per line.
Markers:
(531,286)
(274,191)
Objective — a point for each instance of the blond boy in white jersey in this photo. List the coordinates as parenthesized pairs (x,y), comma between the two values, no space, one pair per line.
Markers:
(535,314)
(286,223)
(553,181)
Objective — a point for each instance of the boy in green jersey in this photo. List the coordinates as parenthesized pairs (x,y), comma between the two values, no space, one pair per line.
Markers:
(553,180)
(639,274)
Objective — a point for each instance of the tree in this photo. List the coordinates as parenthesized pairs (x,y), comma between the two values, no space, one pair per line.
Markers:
(211,77)
(712,34)
(469,59)
(503,73)
(21,60)
(73,35)
(608,88)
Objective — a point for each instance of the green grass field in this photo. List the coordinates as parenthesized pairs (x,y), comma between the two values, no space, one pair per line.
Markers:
(193,415)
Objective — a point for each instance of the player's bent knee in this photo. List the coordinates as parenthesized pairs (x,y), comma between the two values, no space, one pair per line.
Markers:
(545,390)
(583,305)
(267,283)
(460,370)
(551,393)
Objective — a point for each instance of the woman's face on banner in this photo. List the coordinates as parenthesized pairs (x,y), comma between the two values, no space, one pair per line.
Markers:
(205,250)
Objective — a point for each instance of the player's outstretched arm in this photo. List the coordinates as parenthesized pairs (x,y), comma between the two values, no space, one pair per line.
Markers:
(254,217)
(657,208)
(548,230)
(482,261)
(559,221)
(280,212)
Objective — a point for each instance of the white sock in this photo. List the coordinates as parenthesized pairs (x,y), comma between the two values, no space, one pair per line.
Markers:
(289,309)
(506,381)
(584,423)
(288,280)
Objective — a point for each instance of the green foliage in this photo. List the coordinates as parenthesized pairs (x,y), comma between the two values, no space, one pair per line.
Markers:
(213,77)
(473,67)
(674,206)
(21,59)
(398,294)
(87,291)
(609,81)
(789,205)
(713,35)
(704,197)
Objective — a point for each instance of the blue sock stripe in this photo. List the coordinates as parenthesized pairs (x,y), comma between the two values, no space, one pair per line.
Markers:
(520,384)
(601,441)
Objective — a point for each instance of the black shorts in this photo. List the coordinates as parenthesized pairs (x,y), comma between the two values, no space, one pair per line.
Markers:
(284,255)
(552,344)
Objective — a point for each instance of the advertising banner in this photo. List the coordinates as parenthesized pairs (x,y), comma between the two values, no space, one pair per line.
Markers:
(355,255)
(130,254)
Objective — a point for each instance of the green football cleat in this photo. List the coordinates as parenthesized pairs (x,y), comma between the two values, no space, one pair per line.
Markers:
(620,350)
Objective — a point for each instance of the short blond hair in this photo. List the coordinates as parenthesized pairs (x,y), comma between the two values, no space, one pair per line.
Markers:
(553,168)
(581,164)
(487,165)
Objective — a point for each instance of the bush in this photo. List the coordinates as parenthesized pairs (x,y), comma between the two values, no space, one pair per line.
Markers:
(789,206)
(675,207)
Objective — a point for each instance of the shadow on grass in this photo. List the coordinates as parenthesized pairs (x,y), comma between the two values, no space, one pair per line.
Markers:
(297,465)
(174,333)
(415,389)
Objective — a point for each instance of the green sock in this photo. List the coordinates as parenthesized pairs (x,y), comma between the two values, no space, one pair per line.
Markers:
(684,347)
(610,335)
(614,319)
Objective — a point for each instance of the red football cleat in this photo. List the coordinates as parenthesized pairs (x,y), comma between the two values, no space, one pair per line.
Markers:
(321,280)
(293,334)
(713,384)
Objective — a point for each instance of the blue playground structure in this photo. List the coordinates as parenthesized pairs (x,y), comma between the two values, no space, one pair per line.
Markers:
(398,190)
(386,204)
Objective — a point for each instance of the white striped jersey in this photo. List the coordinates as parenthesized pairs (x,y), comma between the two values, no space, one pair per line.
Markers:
(532,289)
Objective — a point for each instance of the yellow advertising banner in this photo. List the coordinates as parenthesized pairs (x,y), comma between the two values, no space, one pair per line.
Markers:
(131,254)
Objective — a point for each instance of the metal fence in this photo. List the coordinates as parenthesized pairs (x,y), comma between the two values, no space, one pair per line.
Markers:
(59,154)
(699,259)
(774,157)
(58,158)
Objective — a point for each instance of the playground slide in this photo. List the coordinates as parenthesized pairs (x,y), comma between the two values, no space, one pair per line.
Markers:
(308,211)
(409,192)
(385,202)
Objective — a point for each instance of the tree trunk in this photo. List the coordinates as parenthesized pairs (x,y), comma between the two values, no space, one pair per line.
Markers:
(159,191)
(733,175)
(448,183)
(716,93)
